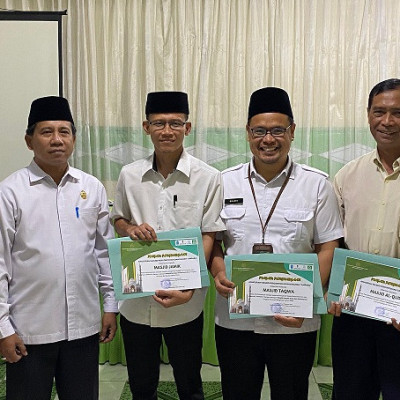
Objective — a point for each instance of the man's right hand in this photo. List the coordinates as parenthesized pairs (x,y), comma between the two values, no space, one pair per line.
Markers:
(141,232)
(223,285)
(12,348)
(335,309)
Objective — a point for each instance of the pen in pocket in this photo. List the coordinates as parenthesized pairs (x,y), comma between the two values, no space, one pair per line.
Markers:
(77,212)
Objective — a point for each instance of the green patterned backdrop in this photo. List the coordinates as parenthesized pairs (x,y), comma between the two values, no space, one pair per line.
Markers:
(321,148)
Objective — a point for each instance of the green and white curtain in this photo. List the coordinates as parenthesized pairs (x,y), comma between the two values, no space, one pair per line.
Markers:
(327,54)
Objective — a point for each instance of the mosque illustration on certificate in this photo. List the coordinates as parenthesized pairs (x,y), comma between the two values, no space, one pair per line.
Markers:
(130,284)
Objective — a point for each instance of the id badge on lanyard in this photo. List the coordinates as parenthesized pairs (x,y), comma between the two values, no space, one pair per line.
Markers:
(260,248)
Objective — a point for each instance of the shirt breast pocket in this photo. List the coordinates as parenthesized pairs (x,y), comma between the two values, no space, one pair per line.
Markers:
(298,225)
(233,218)
(89,216)
(187,214)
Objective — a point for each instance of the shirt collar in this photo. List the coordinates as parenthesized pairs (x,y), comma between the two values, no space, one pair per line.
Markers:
(184,163)
(284,172)
(149,164)
(377,161)
(36,174)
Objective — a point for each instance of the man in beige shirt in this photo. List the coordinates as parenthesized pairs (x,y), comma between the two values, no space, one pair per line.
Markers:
(366,352)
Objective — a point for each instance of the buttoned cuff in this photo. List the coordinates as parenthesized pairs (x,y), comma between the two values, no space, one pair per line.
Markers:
(6,329)
(111,306)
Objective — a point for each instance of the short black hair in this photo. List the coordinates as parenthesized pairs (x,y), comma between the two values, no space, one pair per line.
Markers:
(30,129)
(384,86)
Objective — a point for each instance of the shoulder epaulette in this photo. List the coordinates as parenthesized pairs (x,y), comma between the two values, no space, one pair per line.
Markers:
(312,169)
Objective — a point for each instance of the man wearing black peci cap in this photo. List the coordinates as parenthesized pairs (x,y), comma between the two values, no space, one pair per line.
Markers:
(54,227)
(271,205)
(168,190)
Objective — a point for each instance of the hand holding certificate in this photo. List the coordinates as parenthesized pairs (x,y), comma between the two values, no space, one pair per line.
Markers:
(366,284)
(174,262)
(270,284)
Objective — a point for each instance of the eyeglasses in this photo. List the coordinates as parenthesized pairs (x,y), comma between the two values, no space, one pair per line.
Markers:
(259,132)
(174,125)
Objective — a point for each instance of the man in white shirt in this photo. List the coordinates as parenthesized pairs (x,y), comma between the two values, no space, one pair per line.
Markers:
(166,191)
(305,220)
(54,226)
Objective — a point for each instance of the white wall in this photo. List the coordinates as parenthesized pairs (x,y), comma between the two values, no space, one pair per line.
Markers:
(28,70)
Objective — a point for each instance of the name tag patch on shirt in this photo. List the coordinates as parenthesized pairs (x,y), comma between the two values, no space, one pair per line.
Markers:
(234,201)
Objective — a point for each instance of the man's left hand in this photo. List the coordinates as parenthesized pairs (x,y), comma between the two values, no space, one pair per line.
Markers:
(289,322)
(109,327)
(395,324)
(171,298)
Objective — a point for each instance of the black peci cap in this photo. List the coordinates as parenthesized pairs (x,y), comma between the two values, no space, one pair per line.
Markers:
(51,108)
(167,102)
(269,100)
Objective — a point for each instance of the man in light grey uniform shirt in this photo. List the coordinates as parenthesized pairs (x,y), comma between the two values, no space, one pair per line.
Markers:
(305,220)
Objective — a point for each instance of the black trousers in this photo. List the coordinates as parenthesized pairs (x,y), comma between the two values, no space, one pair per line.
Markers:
(243,356)
(73,364)
(365,359)
(142,349)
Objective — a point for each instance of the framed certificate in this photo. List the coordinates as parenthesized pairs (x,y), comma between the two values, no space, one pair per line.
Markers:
(366,284)
(174,262)
(269,284)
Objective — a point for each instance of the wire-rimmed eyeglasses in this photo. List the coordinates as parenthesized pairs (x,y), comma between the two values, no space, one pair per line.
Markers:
(259,132)
(160,124)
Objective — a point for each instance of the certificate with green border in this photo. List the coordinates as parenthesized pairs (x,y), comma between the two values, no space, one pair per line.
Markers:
(365,284)
(269,284)
(175,261)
